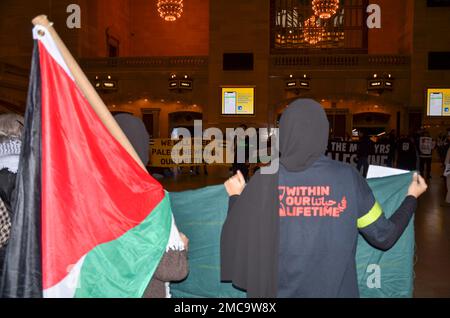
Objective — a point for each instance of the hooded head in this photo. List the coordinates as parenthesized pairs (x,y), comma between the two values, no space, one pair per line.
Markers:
(11,130)
(11,127)
(136,133)
(304,131)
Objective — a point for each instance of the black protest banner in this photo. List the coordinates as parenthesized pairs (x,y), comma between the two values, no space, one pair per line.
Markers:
(347,151)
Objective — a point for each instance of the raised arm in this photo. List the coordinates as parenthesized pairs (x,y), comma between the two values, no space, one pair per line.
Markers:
(234,186)
(383,233)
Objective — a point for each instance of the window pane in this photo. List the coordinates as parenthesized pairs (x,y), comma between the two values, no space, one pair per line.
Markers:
(294,25)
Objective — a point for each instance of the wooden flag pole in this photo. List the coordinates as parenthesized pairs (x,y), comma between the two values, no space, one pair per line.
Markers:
(89,91)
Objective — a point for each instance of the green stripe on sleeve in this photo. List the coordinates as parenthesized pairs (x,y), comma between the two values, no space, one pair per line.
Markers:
(373,215)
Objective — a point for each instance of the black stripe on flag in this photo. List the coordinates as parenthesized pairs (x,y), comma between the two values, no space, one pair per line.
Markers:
(22,271)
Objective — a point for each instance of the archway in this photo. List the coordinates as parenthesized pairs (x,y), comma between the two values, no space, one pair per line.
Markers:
(371,123)
(183,119)
(359,111)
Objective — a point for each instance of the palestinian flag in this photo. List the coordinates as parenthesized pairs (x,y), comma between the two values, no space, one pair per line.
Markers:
(88,220)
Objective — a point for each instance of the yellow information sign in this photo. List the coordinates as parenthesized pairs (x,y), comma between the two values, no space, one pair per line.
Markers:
(438,102)
(238,100)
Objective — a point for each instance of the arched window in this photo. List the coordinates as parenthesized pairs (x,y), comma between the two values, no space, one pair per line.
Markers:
(294,26)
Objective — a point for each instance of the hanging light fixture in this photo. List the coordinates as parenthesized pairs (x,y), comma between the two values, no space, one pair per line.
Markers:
(313,31)
(325,9)
(170,10)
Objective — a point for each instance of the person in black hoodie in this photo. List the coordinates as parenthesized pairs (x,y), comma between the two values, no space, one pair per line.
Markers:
(364,147)
(407,155)
(293,233)
(174,263)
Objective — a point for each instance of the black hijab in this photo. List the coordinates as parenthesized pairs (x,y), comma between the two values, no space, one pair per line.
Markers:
(303,134)
(250,234)
(134,128)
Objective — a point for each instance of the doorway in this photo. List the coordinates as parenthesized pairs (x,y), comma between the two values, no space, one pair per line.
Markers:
(183,120)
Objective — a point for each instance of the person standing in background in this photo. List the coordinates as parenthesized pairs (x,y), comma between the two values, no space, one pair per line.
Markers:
(260,238)
(174,263)
(364,147)
(11,128)
(447,174)
(407,158)
(392,140)
(426,146)
(442,146)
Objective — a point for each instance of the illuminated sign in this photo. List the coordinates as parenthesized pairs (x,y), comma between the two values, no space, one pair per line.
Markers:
(180,84)
(109,85)
(173,84)
(238,100)
(304,84)
(186,84)
(105,85)
(438,102)
(377,84)
(297,84)
(380,83)
(388,84)
(291,84)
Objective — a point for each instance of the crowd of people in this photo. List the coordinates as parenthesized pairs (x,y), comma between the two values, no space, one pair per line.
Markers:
(251,230)
(273,253)
(411,152)
(173,265)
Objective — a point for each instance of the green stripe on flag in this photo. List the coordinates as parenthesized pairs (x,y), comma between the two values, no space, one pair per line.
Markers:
(123,268)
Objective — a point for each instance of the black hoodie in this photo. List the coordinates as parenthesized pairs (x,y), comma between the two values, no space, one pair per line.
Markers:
(250,235)
(294,233)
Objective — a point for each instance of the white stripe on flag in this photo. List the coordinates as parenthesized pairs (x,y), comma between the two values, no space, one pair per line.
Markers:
(68,286)
(41,33)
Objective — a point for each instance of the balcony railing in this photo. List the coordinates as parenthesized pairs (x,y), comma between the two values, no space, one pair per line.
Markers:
(340,61)
(330,61)
(146,62)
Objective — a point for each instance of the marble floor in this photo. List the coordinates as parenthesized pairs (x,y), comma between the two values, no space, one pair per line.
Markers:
(432,227)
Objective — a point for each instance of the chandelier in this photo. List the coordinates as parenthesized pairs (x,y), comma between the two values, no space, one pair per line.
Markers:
(325,9)
(170,10)
(313,31)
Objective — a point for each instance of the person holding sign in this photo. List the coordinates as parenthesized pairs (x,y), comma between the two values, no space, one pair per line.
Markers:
(293,233)
(364,147)
(174,263)
(426,146)
(407,154)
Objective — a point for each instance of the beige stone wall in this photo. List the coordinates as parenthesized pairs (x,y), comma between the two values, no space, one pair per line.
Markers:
(212,28)
(431,33)
(99,17)
(15,26)
(347,89)
(239,27)
(395,35)
(152,36)
(165,108)
(134,23)
(147,87)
